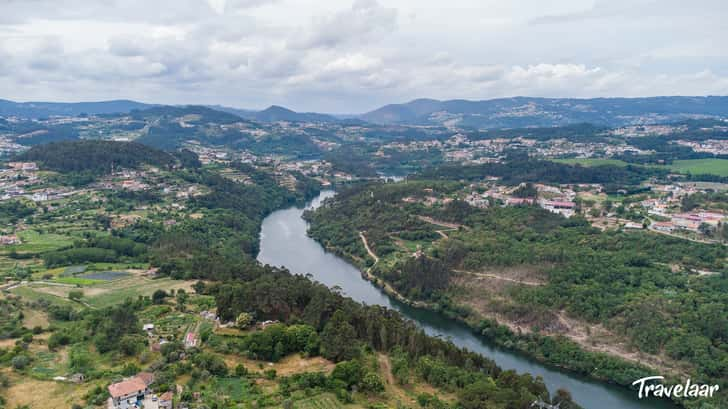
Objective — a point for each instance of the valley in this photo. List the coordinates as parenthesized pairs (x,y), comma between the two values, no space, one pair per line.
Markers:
(163,240)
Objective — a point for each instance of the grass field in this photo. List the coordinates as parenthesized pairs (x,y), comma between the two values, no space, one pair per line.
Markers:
(39,394)
(412,246)
(31,294)
(236,389)
(119,290)
(34,318)
(98,293)
(701,166)
(712,166)
(77,281)
(35,242)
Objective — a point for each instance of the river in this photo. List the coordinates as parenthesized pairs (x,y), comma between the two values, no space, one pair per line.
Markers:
(284,242)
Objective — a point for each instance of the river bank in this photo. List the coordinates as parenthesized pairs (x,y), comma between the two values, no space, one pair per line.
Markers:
(284,242)
(475,324)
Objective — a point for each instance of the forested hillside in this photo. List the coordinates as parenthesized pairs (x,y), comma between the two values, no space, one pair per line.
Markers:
(346,329)
(519,170)
(544,266)
(96,157)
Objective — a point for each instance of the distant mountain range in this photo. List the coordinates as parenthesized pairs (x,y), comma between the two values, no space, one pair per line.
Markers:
(47,109)
(526,112)
(276,113)
(516,112)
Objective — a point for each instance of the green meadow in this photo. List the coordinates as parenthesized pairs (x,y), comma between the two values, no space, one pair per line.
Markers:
(711,166)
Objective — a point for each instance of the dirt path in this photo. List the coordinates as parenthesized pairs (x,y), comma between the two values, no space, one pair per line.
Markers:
(366,245)
(498,277)
(680,236)
(377,281)
(390,385)
(451,226)
(386,367)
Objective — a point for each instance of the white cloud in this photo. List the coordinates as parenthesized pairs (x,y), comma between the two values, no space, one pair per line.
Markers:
(362,22)
(354,56)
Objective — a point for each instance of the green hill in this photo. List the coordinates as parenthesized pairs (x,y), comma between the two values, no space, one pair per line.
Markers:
(96,157)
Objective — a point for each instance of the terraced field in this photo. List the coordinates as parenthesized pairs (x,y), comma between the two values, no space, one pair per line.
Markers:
(323,401)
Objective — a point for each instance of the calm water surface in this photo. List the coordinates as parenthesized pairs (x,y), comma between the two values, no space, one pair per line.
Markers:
(284,243)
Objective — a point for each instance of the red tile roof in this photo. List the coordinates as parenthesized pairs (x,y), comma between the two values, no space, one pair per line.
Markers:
(127,387)
(166,396)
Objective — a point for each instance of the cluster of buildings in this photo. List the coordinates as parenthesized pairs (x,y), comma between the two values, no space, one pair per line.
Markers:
(459,148)
(8,147)
(554,199)
(648,130)
(21,180)
(208,155)
(714,146)
(690,221)
(557,148)
(9,239)
(312,167)
(127,179)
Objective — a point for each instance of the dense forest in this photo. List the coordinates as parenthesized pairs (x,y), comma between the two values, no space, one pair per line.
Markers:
(345,327)
(519,169)
(95,157)
(612,278)
(576,133)
(224,243)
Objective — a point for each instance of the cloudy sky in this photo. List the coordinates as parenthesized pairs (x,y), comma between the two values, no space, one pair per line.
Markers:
(348,56)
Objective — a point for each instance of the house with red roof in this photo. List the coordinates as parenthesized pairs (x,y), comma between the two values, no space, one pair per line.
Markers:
(128,393)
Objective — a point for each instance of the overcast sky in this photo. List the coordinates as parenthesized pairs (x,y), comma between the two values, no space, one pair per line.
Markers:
(347,57)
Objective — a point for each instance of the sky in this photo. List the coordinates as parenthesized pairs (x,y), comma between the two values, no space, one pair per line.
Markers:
(353,56)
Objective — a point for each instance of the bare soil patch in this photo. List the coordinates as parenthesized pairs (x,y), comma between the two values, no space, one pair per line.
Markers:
(488,298)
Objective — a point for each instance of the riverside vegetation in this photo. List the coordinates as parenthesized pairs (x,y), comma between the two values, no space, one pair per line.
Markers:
(556,288)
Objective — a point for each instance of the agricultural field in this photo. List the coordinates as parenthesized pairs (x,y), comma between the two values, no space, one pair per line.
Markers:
(99,293)
(323,401)
(717,167)
(33,241)
(712,166)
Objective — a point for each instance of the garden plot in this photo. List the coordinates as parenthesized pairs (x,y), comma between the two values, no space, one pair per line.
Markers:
(105,275)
